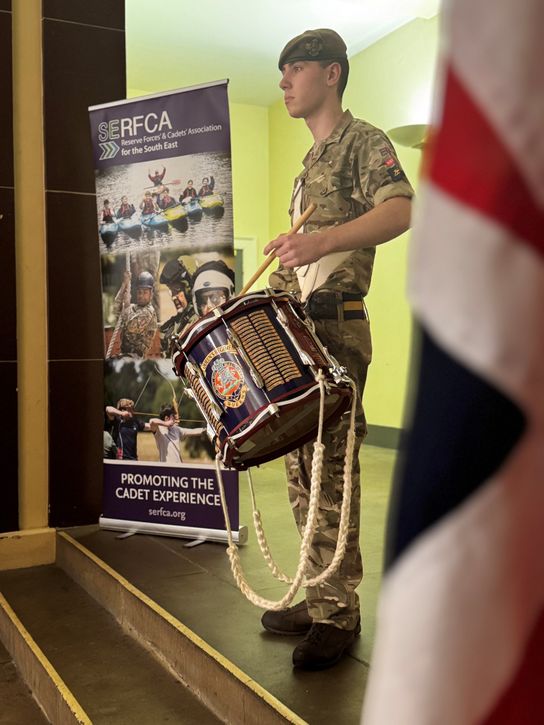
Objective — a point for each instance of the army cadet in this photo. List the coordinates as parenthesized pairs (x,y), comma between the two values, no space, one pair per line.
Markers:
(178,279)
(138,320)
(363,198)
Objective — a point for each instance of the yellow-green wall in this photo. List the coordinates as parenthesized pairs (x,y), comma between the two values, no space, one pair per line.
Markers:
(388,86)
(250,172)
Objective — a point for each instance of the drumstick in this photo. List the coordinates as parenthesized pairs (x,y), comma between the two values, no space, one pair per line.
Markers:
(303,218)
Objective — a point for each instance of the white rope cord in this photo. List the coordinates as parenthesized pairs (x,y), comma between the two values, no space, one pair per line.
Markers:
(307,535)
(343,525)
(261,538)
(315,490)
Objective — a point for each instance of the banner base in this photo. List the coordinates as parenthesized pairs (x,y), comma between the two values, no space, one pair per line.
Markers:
(185,532)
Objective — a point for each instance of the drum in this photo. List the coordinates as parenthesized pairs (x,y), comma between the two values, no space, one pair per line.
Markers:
(251,365)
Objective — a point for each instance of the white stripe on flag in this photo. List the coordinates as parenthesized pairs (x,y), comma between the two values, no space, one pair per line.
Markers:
(480,293)
(457,608)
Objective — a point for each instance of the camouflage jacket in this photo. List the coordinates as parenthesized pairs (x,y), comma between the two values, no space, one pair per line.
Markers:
(138,328)
(347,174)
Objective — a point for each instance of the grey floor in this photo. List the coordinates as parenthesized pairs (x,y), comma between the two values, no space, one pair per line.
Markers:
(196,585)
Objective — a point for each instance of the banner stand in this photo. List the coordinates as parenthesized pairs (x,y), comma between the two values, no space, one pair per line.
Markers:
(139,527)
(163,177)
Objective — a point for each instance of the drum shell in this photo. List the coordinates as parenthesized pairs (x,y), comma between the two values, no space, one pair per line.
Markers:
(276,354)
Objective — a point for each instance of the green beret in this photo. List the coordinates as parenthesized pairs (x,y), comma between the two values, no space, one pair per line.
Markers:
(322,44)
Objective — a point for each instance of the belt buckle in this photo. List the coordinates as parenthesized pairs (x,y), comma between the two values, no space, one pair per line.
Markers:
(320,305)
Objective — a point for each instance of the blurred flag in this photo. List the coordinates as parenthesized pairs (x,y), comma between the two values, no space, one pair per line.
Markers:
(460,634)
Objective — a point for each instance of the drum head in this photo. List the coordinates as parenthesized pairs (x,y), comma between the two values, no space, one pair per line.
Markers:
(295,423)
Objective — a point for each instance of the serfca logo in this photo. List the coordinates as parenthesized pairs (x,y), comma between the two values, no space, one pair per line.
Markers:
(130,126)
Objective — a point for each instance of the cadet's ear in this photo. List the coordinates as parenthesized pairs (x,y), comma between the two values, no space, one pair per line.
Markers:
(333,73)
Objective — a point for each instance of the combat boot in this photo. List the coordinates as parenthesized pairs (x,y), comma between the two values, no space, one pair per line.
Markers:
(323,646)
(291,621)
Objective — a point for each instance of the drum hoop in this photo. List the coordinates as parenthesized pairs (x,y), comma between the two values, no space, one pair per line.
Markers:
(281,404)
(211,321)
(273,401)
(228,446)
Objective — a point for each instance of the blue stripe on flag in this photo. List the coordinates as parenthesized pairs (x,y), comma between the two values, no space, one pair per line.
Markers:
(462,430)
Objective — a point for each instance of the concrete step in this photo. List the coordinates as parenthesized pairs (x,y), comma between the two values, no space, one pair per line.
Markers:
(18,704)
(226,690)
(79,662)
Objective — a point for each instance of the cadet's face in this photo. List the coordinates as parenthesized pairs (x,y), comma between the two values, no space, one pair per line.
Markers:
(304,85)
(210,299)
(143,296)
(179,299)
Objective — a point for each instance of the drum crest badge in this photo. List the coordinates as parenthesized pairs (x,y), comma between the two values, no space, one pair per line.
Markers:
(228,382)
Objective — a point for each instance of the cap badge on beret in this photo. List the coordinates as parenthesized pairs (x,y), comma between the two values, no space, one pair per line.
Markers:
(313,47)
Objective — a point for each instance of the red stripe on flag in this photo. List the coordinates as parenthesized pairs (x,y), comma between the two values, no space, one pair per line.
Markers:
(470,162)
(523,701)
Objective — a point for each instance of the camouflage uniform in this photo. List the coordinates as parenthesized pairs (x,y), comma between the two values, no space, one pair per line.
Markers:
(346,175)
(173,326)
(138,328)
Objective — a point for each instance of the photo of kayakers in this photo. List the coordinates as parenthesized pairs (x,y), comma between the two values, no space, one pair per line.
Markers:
(149,417)
(184,201)
(150,296)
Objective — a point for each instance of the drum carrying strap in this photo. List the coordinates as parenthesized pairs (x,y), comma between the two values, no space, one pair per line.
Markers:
(311,276)
(307,535)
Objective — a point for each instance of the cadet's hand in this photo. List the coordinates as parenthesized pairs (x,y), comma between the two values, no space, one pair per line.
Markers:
(295,250)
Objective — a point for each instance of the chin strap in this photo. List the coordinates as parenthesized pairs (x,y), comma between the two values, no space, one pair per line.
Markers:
(307,535)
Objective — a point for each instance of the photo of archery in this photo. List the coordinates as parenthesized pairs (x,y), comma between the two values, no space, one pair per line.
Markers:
(148,417)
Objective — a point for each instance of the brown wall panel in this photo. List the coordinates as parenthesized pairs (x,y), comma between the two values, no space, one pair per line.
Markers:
(104,13)
(8,448)
(9,514)
(6,107)
(8,329)
(76,421)
(84,65)
(75,299)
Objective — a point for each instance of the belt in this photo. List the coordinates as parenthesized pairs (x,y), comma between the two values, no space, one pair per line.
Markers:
(332,305)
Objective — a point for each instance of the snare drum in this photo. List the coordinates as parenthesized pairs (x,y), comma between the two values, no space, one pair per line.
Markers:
(251,365)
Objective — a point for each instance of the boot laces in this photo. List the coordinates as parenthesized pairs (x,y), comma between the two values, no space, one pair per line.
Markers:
(317,632)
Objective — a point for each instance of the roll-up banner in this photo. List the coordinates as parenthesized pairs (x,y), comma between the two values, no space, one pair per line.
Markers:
(165,234)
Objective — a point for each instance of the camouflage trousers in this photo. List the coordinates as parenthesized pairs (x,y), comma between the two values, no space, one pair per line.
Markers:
(335,601)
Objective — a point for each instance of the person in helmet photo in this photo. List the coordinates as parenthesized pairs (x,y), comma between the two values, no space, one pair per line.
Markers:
(179,281)
(137,320)
(213,285)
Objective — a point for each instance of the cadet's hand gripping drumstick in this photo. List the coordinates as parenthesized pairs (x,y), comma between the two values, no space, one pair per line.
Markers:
(303,218)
